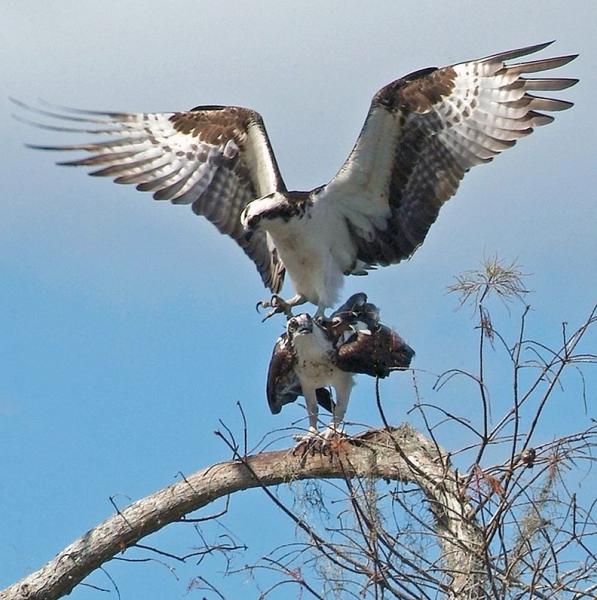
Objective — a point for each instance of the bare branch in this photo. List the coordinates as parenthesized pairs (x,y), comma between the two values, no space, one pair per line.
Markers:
(372,454)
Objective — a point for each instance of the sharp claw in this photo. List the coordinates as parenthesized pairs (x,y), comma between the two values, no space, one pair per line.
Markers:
(303,448)
(308,444)
(270,314)
(263,304)
(278,305)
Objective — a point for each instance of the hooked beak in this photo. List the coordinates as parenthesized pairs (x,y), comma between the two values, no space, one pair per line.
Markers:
(300,325)
(306,327)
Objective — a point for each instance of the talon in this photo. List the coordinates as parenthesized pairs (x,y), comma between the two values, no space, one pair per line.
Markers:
(278,304)
(332,438)
(271,303)
(270,314)
(303,448)
(308,443)
(311,434)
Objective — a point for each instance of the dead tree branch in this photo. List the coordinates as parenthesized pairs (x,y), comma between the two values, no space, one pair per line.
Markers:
(372,454)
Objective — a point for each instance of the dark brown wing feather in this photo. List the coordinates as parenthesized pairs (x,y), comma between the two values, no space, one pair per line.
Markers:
(423,133)
(216,158)
(375,353)
(282,383)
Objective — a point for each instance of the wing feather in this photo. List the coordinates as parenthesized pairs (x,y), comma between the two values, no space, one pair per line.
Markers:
(283,385)
(423,133)
(376,353)
(215,158)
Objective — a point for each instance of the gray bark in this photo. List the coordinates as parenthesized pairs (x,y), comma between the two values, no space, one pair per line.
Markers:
(400,454)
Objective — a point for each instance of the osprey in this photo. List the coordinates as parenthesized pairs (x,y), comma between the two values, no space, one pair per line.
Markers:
(423,132)
(316,353)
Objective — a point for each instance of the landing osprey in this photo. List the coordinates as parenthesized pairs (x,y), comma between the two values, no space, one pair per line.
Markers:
(423,132)
(316,353)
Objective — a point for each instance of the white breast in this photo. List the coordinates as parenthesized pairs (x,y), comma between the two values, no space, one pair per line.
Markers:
(316,251)
(314,365)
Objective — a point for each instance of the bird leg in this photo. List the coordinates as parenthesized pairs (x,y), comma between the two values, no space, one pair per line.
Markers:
(331,438)
(342,396)
(326,442)
(332,430)
(307,440)
(320,314)
(311,439)
(279,305)
(312,412)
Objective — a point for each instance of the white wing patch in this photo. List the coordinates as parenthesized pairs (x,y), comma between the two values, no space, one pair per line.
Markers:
(218,159)
(422,134)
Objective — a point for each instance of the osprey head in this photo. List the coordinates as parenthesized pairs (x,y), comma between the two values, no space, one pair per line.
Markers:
(277,207)
(267,207)
(300,325)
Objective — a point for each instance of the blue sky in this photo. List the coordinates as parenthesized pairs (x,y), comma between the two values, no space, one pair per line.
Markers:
(128,326)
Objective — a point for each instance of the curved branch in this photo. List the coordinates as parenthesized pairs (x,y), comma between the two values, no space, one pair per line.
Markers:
(399,454)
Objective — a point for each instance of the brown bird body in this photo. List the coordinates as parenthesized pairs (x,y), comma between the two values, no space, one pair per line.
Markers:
(315,354)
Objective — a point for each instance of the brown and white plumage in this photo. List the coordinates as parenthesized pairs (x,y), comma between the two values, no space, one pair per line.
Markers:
(314,354)
(215,158)
(423,132)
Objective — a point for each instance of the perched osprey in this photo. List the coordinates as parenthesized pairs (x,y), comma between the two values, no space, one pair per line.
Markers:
(422,134)
(316,353)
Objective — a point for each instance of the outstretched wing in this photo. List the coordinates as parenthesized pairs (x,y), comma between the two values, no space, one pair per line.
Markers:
(283,385)
(215,158)
(362,343)
(374,353)
(422,134)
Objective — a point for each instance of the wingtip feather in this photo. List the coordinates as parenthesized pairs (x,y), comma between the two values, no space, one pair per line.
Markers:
(517,52)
